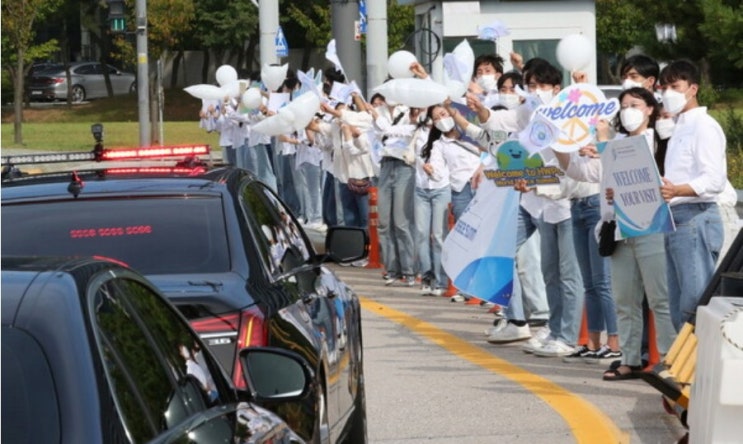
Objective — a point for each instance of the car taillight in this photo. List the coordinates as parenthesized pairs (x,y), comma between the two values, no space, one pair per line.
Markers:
(251,331)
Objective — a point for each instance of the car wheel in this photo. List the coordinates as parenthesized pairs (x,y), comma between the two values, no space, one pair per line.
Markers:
(357,432)
(78,94)
(133,88)
(321,434)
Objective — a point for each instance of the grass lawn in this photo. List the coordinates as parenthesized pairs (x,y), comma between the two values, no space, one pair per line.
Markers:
(63,128)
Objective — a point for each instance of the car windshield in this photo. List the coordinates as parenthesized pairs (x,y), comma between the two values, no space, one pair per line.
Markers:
(151,235)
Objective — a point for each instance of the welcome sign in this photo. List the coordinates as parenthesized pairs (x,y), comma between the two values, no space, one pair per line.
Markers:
(575,111)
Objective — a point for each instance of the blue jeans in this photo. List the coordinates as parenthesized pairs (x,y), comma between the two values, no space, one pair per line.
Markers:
(526,226)
(287,188)
(329,216)
(562,280)
(309,188)
(460,200)
(595,269)
(228,155)
(256,160)
(431,214)
(395,210)
(691,253)
(355,208)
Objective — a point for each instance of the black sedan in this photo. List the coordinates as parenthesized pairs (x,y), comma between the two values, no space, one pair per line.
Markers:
(92,353)
(226,251)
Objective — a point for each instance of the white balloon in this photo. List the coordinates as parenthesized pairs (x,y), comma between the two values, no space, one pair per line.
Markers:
(398,65)
(252,98)
(205,91)
(466,57)
(273,76)
(456,89)
(416,93)
(293,117)
(225,74)
(234,88)
(574,52)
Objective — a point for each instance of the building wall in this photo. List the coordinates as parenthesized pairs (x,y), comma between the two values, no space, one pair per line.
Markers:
(529,23)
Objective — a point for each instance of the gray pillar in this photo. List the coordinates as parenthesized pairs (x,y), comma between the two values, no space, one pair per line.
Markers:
(376,44)
(268,14)
(143,79)
(345,13)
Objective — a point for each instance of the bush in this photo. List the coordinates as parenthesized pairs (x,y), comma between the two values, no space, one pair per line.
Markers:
(732,123)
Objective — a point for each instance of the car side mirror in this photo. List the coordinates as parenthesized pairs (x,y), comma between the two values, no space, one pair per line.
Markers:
(346,244)
(275,374)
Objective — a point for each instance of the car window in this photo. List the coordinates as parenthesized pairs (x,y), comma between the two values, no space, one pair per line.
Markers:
(28,395)
(151,235)
(280,241)
(111,69)
(85,69)
(156,370)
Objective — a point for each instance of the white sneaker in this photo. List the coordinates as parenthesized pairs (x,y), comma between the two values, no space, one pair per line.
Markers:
(554,348)
(497,325)
(456,298)
(361,263)
(426,290)
(510,333)
(538,339)
(437,292)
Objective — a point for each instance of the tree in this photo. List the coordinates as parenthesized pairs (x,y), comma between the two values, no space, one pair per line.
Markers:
(723,27)
(620,25)
(19,17)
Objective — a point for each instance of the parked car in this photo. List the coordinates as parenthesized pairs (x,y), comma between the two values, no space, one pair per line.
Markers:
(231,257)
(611,91)
(93,353)
(87,80)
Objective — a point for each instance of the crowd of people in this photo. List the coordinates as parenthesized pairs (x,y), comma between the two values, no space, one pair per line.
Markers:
(427,163)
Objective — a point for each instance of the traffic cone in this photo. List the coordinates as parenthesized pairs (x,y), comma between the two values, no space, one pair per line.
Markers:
(451,290)
(373,235)
(583,335)
(653,354)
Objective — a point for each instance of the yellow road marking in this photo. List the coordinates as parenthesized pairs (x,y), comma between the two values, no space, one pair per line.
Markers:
(588,423)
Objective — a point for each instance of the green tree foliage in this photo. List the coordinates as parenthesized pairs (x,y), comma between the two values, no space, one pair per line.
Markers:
(723,28)
(19,18)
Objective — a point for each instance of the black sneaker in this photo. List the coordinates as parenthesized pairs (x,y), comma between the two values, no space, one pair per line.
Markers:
(578,355)
(390,278)
(602,355)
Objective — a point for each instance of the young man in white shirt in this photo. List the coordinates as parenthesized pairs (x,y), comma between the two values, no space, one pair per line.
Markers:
(695,175)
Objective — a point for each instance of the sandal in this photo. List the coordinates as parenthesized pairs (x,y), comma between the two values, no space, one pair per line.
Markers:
(620,373)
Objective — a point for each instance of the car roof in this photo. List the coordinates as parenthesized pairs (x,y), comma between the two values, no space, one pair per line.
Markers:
(101,181)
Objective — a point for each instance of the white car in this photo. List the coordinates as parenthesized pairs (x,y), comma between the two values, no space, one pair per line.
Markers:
(88,82)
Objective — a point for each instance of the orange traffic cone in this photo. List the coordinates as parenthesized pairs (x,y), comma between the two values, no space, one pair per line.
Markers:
(373,235)
(653,354)
(583,335)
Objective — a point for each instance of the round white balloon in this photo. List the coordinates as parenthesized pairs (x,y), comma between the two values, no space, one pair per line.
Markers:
(252,98)
(575,52)
(398,65)
(226,74)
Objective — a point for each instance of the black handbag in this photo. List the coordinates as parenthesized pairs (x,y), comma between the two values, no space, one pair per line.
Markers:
(607,243)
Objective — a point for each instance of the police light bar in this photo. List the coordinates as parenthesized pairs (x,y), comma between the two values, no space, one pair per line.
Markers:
(108,155)
(155,151)
(155,171)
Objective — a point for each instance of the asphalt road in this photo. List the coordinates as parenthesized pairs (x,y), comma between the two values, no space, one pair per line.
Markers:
(432,378)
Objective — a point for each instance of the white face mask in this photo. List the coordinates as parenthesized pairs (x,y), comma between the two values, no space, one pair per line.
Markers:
(664,128)
(445,125)
(488,82)
(544,96)
(631,118)
(510,101)
(674,101)
(628,83)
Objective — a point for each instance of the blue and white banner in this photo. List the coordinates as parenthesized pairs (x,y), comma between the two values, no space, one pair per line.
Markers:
(630,170)
(478,254)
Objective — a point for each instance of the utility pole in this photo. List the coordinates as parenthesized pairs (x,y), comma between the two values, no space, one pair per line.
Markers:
(345,13)
(143,80)
(376,44)
(268,15)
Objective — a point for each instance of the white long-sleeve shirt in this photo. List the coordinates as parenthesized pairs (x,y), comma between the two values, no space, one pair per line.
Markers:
(696,156)
(462,159)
